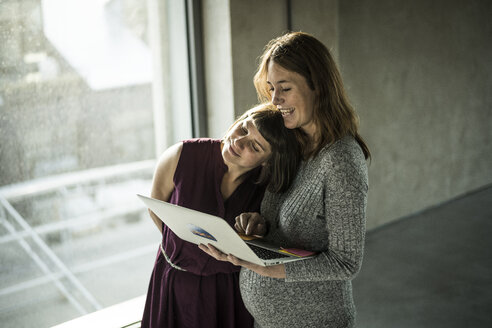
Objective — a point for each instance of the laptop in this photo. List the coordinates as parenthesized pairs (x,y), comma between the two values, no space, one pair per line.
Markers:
(201,228)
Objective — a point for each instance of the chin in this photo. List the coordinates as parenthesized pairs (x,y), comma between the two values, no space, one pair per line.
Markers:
(290,125)
(225,154)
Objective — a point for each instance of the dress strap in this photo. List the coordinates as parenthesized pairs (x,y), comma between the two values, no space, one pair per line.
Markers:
(168,260)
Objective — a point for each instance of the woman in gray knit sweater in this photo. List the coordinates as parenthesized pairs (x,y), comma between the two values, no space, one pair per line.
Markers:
(324,210)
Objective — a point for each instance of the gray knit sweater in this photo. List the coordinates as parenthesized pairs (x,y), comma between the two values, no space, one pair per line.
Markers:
(325,211)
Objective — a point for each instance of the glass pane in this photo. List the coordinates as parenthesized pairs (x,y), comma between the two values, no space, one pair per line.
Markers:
(77,144)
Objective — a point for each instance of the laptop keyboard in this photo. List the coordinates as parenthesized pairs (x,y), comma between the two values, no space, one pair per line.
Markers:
(265,254)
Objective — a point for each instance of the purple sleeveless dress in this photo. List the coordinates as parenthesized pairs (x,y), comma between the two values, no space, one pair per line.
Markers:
(207,294)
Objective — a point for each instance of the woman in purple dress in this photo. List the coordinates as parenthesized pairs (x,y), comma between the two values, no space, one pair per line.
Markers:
(227,177)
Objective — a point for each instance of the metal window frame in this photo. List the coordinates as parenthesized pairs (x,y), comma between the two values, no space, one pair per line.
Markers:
(196,68)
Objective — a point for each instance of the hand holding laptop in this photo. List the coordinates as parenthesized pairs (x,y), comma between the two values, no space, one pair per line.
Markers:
(273,271)
(218,238)
(249,226)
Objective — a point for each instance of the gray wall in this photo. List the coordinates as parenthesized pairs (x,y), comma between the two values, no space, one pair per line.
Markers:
(235,32)
(419,74)
(249,38)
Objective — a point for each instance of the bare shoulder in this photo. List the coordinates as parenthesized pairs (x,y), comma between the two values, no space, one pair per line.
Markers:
(171,155)
(163,183)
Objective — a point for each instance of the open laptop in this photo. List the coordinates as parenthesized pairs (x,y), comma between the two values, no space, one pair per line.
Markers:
(201,228)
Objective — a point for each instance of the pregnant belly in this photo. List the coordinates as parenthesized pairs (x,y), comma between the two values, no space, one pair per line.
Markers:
(276,303)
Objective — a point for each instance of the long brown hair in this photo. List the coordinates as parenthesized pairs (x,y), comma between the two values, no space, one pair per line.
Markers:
(281,167)
(333,114)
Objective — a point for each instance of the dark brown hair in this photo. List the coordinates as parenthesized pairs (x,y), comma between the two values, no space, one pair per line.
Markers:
(281,167)
(333,114)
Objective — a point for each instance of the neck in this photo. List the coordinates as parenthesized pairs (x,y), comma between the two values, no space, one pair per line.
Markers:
(231,180)
(314,139)
(312,131)
(234,173)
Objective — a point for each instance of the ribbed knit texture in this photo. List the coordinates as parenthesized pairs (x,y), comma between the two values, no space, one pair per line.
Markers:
(324,211)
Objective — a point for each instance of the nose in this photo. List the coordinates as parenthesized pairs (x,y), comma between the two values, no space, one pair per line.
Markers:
(276,100)
(239,142)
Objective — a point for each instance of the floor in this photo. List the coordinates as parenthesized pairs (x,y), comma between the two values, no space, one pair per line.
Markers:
(433,269)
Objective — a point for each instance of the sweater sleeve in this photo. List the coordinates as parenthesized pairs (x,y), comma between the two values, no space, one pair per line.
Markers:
(345,200)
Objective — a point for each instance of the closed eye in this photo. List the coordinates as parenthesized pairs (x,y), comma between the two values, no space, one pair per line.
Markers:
(271,89)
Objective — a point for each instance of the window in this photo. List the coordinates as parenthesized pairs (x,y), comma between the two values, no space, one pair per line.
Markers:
(77,129)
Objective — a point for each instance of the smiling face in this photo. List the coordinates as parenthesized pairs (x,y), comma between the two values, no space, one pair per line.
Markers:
(292,96)
(245,147)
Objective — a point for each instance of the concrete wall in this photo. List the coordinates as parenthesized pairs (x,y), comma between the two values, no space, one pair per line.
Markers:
(252,26)
(319,18)
(235,33)
(418,73)
(255,22)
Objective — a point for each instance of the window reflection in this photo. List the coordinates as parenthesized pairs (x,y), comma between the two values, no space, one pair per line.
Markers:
(77,143)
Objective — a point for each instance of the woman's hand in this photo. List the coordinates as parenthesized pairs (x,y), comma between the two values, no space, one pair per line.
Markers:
(274,271)
(250,224)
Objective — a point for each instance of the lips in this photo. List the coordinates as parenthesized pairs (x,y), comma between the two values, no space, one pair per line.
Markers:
(286,111)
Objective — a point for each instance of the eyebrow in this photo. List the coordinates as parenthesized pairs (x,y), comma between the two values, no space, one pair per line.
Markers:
(256,141)
(281,81)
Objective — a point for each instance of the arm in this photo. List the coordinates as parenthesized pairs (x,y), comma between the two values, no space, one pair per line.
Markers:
(163,184)
(345,199)
(249,224)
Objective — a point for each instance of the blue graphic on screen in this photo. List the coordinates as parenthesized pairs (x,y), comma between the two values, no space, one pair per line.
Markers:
(200,232)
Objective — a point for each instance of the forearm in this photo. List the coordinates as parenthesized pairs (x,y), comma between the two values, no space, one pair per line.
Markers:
(156,220)
(274,271)
(326,266)
(345,231)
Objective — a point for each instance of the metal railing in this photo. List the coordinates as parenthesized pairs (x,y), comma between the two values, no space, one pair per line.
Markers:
(55,270)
